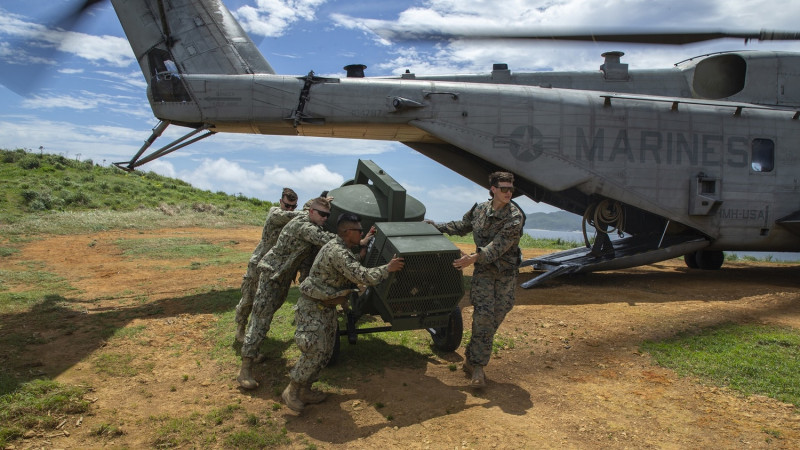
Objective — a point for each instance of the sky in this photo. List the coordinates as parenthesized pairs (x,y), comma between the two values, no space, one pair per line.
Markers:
(80,93)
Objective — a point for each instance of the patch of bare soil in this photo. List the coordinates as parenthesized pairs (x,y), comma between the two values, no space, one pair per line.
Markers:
(571,375)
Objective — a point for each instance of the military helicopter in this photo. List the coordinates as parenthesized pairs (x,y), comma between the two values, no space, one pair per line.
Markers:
(691,160)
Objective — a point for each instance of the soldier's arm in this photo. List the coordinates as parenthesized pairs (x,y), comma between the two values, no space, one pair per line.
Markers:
(349,266)
(315,235)
(281,217)
(458,227)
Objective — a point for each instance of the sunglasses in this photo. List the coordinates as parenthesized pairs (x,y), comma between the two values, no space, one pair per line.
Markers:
(506,189)
(322,213)
(360,230)
(289,205)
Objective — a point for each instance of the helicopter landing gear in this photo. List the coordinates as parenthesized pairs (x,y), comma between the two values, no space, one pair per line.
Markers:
(704,259)
(601,216)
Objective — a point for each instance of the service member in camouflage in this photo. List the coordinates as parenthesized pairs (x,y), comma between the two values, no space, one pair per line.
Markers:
(277,217)
(336,272)
(496,227)
(305,266)
(278,269)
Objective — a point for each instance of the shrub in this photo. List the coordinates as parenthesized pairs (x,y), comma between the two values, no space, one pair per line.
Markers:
(30,162)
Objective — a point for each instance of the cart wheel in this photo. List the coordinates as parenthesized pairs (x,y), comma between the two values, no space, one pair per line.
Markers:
(337,346)
(448,338)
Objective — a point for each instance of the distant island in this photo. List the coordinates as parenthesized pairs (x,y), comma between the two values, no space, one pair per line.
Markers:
(554,221)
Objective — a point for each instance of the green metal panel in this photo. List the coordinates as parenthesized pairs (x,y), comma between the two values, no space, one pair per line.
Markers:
(427,287)
(375,197)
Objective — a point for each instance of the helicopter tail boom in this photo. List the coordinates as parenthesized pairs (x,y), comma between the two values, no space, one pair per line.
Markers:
(182,37)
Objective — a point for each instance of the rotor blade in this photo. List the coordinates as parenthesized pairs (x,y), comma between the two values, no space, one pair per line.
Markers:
(645,37)
(70,18)
(32,52)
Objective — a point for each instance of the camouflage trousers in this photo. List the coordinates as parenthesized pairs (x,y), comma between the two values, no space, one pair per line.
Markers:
(269,298)
(492,297)
(315,337)
(249,288)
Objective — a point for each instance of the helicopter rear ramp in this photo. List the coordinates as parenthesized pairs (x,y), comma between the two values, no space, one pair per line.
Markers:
(628,252)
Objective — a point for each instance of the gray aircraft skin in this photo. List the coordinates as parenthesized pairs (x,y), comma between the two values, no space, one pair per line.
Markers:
(698,158)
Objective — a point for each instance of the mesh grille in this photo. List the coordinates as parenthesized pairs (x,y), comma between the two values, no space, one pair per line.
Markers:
(427,286)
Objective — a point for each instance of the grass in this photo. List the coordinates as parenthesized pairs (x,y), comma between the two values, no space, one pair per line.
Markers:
(751,359)
(207,253)
(120,365)
(23,286)
(50,194)
(526,241)
(38,404)
(237,427)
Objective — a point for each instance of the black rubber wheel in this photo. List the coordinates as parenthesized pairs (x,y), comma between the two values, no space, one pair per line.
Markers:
(710,259)
(691,260)
(448,338)
(337,347)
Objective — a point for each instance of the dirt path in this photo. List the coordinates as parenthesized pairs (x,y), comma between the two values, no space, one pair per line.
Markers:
(571,375)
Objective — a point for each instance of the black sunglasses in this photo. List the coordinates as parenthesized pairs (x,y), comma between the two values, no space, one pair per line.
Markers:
(322,213)
(506,189)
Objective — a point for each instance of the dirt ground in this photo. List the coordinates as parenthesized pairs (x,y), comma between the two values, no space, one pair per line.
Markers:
(573,378)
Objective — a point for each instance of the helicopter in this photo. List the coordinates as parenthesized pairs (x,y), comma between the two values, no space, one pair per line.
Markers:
(690,160)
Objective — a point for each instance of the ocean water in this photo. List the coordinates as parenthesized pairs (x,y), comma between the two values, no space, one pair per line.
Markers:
(577,236)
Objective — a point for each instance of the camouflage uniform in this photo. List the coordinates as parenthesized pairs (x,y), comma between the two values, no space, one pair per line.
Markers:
(494,278)
(278,269)
(336,272)
(276,219)
(305,266)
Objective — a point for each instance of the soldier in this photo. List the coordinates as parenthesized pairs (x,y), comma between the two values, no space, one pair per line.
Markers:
(496,226)
(305,266)
(336,272)
(278,269)
(277,217)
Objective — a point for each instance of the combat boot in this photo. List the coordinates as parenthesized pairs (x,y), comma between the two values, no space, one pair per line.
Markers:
(478,378)
(311,396)
(291,396)
(468,368)
(241,330)
(245,377)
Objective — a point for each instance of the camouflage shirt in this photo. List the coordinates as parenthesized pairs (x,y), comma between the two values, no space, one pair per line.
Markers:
(337,271)
(294,243)
(276,219)
(496,235)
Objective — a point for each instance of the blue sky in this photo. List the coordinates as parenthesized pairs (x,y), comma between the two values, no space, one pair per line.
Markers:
(81,94)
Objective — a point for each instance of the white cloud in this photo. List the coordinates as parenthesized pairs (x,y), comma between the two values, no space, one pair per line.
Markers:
(31,38)
(274,17)
(69,139)
(223,175)
(85,101)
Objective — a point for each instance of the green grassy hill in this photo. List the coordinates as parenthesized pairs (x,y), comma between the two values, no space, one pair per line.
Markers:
(53,194)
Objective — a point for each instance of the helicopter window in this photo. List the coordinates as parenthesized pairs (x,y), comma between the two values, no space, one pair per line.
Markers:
(719,76)
(166,84)
(763,155)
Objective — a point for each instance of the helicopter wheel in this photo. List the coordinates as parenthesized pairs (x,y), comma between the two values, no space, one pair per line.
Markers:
(448,338)
(709,259)
(691,260)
